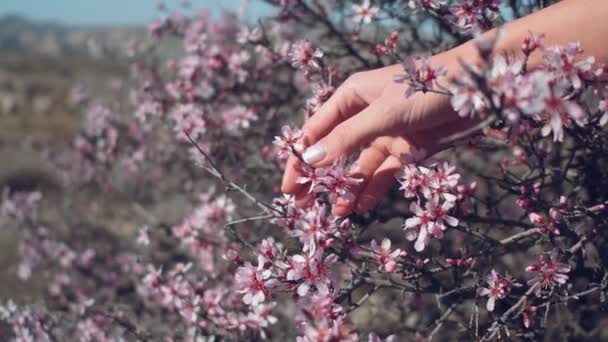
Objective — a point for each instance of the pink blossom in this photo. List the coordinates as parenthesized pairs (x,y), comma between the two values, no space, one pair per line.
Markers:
(364,13)
(526,315)
(304,56)
(337,180)
(238,118)
(428,222)
(288,142)
(531,43)
(562,61)
(499,287)
(386,259)
(550,273)
(321,93)
(419,75)
(312,270)
(467,99)
(547,104)
(328,330)
(315,227)
(255,283)
(143,237)
(546,226)
(474,14)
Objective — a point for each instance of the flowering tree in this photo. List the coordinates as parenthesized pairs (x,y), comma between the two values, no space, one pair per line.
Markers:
(501,238)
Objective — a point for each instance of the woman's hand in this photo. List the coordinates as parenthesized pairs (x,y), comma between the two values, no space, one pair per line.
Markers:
(370,112)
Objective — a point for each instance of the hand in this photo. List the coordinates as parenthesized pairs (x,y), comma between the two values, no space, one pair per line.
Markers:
(370,112)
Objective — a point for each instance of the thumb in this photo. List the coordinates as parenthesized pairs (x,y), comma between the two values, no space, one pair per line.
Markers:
(376,120)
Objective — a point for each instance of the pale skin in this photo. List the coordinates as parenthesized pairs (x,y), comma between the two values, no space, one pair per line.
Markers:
(369,112)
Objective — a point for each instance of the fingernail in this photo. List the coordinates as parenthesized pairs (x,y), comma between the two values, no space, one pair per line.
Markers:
(314,154)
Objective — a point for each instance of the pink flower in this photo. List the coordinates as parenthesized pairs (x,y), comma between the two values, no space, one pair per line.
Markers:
(288,142)
(421,77)
(315,227)
(562,60)
(531,43)
(428,222)
(254,282)
(526,315)
(364,13)
(550,273)
(547,104)
(328,330)
(304,56)
(444,182)
(238,117)
(143,237)
(389,46)
(316,177)
(189,118)
(499,287)
(321,93)
(466,98)
(474,14)
(312,270)
(385,258)
(337,180)
(291,214)
(460,260)
(546,226)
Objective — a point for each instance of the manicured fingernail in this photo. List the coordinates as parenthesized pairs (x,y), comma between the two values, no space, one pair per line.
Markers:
(314,154)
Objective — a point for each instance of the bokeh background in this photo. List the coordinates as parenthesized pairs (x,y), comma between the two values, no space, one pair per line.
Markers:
(48,49)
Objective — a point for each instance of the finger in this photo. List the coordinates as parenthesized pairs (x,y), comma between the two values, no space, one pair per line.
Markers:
(374,121)
(344,103)
(381,182)
(367,163)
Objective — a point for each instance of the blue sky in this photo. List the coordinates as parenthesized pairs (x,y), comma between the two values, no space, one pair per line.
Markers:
(107,11)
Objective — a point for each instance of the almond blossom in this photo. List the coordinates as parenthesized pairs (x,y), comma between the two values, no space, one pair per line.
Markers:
(428,222)
(313,271)
(364,13)
(550,273)
(419,75)
(499,287)
(288,142)
(255,282)
(467,99)
(386,259)
(304,56)
(562,61)
(545,225)
(337,180)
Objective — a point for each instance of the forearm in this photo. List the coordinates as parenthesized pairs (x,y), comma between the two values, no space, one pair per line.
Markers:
(585,21)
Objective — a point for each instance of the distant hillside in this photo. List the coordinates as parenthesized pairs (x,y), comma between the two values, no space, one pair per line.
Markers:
(18,34)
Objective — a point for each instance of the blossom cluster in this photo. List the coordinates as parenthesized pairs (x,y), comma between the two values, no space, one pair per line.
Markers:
(498,287)
(432,187)
(522,96)
(204,250)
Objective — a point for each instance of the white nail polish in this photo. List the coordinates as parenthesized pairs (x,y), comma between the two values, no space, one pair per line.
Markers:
(314,154)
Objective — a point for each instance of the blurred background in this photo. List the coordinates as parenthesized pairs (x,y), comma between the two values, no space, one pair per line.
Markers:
(48,51)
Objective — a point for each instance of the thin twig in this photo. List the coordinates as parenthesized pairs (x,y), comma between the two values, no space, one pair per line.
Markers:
(217,172)
(439,323)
